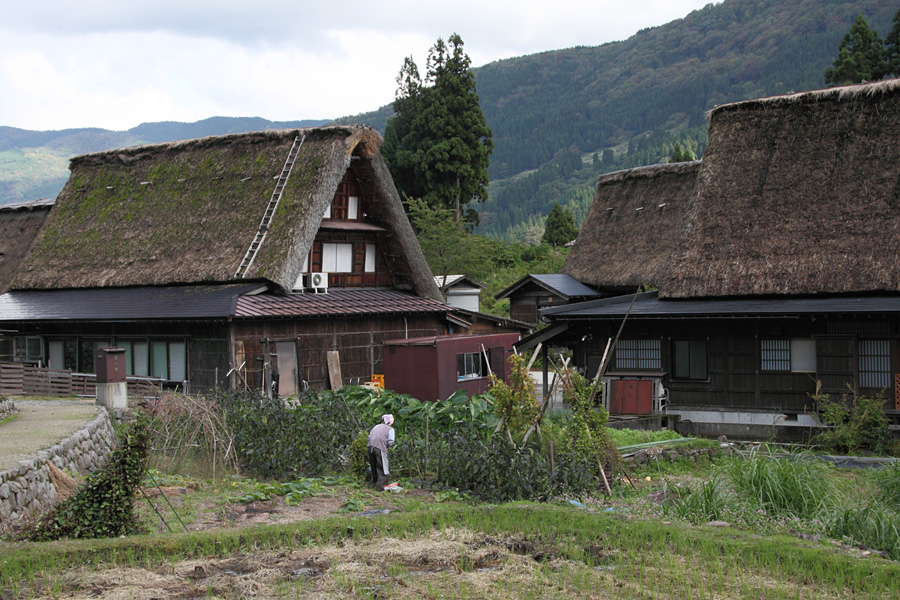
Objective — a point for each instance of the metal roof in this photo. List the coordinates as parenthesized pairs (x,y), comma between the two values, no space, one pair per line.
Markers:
(340,302)
(124,304)
(452,280)
(648,305)
(563,285)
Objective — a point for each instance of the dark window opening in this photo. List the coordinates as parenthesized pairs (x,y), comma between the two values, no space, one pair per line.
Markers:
(690,360)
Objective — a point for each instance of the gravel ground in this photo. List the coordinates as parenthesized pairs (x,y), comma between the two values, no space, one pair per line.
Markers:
(39,424)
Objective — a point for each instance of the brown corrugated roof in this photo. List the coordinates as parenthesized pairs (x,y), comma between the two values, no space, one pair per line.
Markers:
(337,303)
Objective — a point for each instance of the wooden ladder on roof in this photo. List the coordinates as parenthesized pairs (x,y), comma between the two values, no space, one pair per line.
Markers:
(263,229)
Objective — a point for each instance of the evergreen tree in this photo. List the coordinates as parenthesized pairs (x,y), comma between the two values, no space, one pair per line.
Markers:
(438,145)
(861,56)
(682,154)
(559,229)
(608,157)
(892,48)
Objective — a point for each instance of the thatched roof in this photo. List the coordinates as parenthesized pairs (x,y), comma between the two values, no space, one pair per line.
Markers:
(186,212)
(19,226)
(797,194)
(635,221)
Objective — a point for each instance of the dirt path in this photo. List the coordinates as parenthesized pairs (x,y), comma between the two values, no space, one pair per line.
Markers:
(39,424)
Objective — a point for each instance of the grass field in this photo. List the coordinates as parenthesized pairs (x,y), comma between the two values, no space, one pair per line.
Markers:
(610,548)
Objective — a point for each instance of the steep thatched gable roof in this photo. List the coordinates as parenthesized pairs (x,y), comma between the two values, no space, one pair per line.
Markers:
(19,226)
(186,212)
(797,194)
(635,221)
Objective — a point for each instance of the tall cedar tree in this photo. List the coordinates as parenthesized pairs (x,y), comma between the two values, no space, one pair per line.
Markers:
(559,229)
(861,56)
(438,145)
(892,47)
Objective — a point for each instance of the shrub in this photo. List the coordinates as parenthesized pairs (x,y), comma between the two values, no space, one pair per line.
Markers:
(862,427)
(359,455)
(283,440)
(411,415)
(515,401)
(795,484)
(589,438)
(104,505)
(496,470)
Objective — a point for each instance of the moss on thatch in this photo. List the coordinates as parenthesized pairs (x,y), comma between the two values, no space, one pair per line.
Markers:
(186,212)
(632,226)
(797,194)
(19,226)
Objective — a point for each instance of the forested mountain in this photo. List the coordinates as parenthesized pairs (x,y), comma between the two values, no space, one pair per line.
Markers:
(637,97)
(560,118)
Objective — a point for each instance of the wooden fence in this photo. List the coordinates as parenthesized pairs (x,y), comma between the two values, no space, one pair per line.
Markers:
(18,379)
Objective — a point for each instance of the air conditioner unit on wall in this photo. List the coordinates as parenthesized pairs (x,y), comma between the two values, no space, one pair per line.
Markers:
(318,281)
(300,285)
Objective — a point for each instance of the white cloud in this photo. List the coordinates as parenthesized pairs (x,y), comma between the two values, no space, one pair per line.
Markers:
(117,64)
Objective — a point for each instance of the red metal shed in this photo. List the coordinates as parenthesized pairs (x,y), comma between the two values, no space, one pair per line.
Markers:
(434,367)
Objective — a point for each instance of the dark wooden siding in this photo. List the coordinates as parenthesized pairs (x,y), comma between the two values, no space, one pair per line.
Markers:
(736,380)
(359,342)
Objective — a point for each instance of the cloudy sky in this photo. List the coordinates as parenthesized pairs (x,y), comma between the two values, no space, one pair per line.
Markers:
(116,64)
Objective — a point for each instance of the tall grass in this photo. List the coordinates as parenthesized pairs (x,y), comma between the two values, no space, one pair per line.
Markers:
(794,484)
(698,504)
(887,479)
(871,525)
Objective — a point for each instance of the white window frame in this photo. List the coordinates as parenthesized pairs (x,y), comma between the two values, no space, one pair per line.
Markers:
(370,258)
(337,258)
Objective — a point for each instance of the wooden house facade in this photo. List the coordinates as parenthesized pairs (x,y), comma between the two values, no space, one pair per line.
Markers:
(778,281)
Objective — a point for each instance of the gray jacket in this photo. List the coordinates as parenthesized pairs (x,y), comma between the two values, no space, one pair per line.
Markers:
(381,437)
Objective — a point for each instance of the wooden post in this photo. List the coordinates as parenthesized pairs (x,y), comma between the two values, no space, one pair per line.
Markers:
(333,358)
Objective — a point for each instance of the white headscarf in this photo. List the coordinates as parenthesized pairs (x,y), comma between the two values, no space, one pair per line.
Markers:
(388,419)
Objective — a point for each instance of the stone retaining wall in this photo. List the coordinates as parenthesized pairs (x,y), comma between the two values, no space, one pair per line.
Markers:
(672,454)
(27,489)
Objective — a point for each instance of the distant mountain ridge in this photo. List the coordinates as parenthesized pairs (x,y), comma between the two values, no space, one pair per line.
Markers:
(35,164)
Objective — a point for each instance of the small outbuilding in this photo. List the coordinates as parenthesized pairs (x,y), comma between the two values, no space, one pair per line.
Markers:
(434,367)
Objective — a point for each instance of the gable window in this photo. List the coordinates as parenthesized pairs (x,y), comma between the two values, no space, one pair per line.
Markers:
(469,366)
(345,206)
(689,360)
(795,356)
(337,258)
(638,354)
(370,258)
(874,364)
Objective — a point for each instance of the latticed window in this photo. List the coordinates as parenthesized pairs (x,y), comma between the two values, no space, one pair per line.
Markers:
(775,355)
(874,363)
(638,354)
